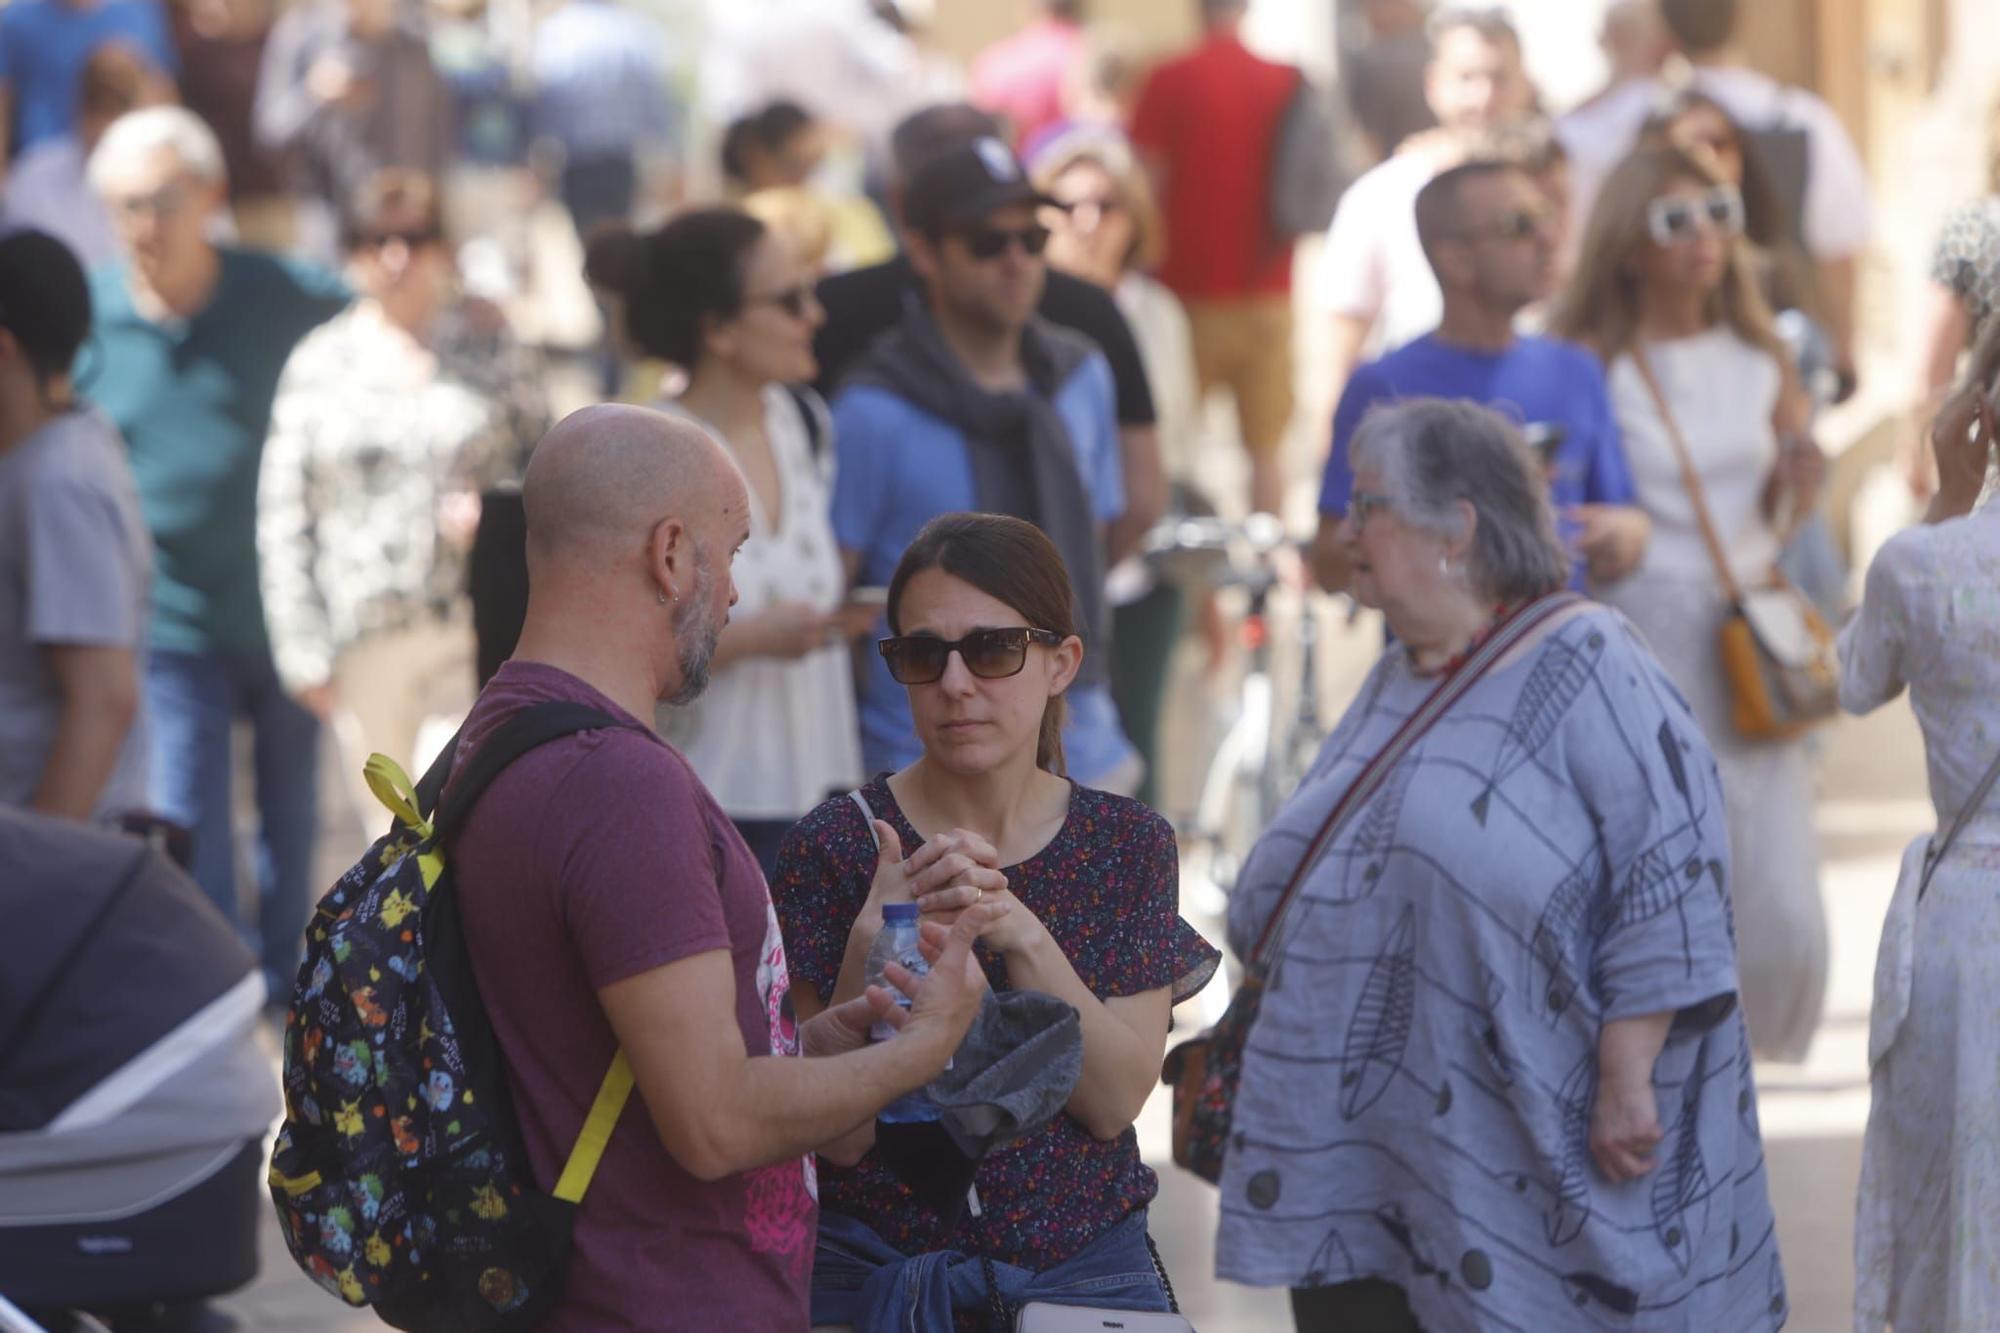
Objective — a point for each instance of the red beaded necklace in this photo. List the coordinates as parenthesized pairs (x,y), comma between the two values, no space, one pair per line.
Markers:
(1501,611)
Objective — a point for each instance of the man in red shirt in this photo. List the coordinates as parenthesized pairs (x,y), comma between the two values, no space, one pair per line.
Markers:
(1207,126)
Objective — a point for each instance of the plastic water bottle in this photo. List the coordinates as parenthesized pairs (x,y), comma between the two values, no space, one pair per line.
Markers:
(897,943)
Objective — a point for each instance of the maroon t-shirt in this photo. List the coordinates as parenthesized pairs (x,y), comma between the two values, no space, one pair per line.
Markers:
(595,858)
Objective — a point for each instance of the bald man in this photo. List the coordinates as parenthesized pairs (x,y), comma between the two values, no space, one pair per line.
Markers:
(609,903)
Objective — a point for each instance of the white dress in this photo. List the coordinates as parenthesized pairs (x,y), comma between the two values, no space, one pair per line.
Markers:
(1927,1233)
(773,737)
(1722,391)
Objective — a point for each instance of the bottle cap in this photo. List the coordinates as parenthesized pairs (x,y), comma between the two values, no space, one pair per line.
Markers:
(899,914)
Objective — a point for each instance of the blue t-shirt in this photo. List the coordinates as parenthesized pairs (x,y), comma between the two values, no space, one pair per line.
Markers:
(44,45)
(1535,381)
(193,401)
(899,467)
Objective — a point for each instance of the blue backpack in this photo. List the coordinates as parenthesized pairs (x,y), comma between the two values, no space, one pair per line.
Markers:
(399,1175)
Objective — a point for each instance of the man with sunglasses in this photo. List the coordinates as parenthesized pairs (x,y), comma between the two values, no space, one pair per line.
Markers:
(186,349)
(973,402)
(1490,238)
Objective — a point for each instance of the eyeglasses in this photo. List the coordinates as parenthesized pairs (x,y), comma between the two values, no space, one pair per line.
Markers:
(413,238)
(1363,503)
(988,242)
(1673,222)
(794,301)
(1521,224)
(164,202)
(990,654)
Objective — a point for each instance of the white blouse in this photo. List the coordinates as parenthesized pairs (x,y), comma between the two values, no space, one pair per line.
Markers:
(771,737)
(1723,391)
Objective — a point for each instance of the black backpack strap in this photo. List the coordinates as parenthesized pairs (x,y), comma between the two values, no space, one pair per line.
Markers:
(532,727)
(819,422)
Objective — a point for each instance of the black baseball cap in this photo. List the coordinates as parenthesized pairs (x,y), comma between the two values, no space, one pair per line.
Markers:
(967,183)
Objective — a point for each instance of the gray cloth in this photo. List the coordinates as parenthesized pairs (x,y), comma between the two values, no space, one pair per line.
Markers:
(405,119)
(1417,1090)
(1013,1073)
(1023,463)
(75,568)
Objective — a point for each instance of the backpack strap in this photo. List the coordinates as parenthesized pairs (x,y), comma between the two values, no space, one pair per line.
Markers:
(819,422)
(529,729)
(596,1132)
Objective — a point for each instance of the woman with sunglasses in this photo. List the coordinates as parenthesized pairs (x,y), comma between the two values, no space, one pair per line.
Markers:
(721,297)
(984,639)
(1665,293)
(389,422)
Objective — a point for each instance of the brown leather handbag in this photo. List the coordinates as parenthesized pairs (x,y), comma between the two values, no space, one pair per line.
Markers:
(1778,653)
(1204,1071)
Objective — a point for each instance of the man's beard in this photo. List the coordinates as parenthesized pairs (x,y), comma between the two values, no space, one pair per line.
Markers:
(696,635)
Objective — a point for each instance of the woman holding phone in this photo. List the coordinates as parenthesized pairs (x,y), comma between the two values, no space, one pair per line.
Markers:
(1714,422)
(719,295)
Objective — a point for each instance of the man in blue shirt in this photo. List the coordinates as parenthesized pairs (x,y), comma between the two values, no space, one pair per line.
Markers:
(44,45)
(189,342)
(1488,234)
(974,402)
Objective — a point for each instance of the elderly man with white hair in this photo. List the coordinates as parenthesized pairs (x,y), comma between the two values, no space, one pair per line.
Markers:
(189,341)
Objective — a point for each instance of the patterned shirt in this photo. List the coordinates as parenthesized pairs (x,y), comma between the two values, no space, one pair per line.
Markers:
(373,439)
(1107,888)
(1968,259)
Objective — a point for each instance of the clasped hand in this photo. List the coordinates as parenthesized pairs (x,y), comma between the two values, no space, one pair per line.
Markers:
(948,874)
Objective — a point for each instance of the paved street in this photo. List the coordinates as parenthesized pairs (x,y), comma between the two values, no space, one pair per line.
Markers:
(1871,804)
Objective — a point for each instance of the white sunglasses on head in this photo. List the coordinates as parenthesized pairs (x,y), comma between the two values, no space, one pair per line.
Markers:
(1675,221)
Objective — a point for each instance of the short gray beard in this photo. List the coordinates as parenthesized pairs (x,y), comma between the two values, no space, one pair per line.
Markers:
(696,635)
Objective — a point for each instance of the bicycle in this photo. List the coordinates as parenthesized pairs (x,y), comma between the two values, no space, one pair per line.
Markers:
(1264,752)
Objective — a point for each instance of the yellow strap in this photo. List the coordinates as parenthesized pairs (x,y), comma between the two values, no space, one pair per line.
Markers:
(393,788)
(589,1149)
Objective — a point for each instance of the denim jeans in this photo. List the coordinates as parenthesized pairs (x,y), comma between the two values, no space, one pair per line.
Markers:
(860,1279)
(195,698)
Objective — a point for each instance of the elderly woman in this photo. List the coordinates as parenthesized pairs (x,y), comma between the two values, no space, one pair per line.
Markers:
(1499,1080)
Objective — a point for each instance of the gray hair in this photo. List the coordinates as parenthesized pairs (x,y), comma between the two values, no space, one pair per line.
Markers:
(1432,453)
(144,132)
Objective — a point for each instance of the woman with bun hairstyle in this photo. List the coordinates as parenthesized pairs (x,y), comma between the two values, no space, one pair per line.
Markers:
(717,294)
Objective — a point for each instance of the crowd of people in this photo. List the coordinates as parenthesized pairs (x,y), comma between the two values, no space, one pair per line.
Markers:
(855,579)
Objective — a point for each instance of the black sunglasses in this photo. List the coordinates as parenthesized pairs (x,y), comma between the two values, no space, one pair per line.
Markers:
(794,301)
(990,654)
(988,242)
(413,239)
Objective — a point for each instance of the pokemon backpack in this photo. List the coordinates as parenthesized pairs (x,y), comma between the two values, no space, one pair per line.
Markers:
(399,1175)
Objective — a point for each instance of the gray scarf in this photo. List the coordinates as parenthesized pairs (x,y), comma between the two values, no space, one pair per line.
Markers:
(1023,463)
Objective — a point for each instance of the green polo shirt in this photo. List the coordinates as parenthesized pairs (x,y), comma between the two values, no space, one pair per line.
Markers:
(193,400)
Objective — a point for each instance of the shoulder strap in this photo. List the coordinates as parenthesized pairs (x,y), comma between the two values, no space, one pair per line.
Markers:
(813,410)
(1965,812)
(1689,477)
(1511,631)
(532,727)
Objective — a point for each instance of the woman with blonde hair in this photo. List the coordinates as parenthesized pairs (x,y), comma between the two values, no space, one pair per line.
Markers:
(1714,424)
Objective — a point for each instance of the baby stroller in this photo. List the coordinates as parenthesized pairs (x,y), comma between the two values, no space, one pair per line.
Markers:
(134,1094)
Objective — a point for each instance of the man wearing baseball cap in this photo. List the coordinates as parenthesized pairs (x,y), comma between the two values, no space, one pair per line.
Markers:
(974,402)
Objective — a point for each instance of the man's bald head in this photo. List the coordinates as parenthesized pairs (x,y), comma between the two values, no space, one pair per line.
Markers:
(605,476)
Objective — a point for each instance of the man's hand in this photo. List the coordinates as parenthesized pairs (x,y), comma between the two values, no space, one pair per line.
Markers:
(1610,538)
(844,1027)
(948,998)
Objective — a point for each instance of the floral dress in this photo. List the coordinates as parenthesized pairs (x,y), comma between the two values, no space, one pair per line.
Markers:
(1927,1234)
(1107,889)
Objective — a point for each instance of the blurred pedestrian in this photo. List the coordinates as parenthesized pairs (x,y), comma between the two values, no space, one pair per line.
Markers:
(47,188)
(1814,167)
(981,616)
(1382,74)
(346,89)
(863,305)
(601,96)
(1666,295)
(1926,1251)
(390,420)
(772,159)
(44,45)
(1505,1051)
(221,45)
(75,560)
(1491,238)
(617,912)
(1207,129)
(975,403)
(188,343)
(1024,79)
(1373,277)
(1106,229)
(720,296)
